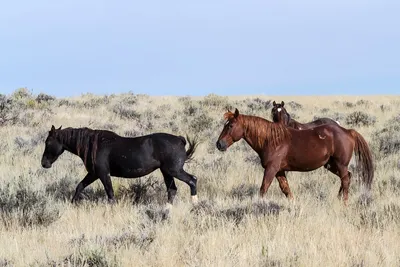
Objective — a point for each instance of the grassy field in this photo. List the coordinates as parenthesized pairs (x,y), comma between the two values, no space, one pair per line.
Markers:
(230,226)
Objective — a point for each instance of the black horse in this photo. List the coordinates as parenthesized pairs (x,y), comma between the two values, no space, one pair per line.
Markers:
(279,114)
(106,154)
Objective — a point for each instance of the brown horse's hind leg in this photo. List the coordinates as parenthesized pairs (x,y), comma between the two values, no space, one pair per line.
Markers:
(283,184)
(344,175)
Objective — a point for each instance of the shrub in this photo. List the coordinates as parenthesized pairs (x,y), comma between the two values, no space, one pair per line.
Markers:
(294,105)
(358,118)
(385,108)
(126,113)
(65,102)
(62,189)
(31,103)
(363,102)
(215,101)
(156,214)
(3,101)
(5,263)
(109,126)
(8,113)
(244,191)
(348,104)
(190,110)
(335,116)
(257,104)
(201,123)
(127,239)
(388,138)
(44,98)
(96,102)
(94,257)
(28,206)
(143,191)
(237,214)
(133,133)
(324,110)
(21,93)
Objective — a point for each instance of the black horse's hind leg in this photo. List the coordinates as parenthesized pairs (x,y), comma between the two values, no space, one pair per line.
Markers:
(105,179)
(190,180)
(89,178)
(171,187)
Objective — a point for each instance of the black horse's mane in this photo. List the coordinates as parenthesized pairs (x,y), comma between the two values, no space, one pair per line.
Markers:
(85,140)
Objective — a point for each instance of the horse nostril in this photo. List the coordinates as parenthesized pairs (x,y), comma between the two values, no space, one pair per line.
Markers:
(218,145)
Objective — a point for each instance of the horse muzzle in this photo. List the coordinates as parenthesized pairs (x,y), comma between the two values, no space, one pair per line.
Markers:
(222,145)
(46,164)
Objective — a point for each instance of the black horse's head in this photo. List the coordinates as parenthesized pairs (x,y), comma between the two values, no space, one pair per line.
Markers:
(279,113)
(53,149)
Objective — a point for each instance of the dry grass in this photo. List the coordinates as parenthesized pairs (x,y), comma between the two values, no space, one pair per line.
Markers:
(230,226)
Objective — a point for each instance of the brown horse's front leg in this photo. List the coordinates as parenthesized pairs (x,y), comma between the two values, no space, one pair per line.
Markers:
(269,174)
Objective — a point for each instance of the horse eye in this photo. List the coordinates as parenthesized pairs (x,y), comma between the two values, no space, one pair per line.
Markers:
(230,126)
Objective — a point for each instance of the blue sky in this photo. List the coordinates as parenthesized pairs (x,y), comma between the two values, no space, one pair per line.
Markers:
(308,47)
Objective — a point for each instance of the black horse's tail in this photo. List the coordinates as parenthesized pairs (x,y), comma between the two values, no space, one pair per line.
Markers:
(192,147)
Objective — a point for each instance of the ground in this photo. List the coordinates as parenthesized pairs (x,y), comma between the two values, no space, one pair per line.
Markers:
(230,226)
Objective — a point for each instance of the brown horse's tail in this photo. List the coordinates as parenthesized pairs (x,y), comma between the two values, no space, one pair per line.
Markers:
(364,158)
(192,148)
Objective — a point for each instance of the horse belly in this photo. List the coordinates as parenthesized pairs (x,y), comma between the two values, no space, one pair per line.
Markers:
(309,159)
(132,167)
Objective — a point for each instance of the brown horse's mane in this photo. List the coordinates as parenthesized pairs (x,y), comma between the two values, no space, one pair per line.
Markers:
(262,131)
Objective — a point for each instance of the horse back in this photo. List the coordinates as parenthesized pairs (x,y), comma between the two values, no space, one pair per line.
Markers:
(325,136)
(135,157)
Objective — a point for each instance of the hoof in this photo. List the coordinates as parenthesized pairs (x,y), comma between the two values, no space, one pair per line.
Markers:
(112,201)
(168,206)
(195,200)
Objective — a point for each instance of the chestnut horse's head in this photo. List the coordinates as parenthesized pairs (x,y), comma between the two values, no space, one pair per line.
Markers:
(232,132)
(279,113)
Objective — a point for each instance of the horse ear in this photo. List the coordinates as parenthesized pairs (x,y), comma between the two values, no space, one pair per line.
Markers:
(236,113)
(52,130)
(59,128)
(227,115)
(282,104)
(274,103)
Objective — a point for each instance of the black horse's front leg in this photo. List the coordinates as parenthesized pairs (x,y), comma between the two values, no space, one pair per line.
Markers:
(105,179)
(89,178)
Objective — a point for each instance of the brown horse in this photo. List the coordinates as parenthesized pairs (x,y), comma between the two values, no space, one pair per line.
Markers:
(279,114)
(281,149)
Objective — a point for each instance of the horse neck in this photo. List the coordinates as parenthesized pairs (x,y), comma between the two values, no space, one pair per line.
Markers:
(288,119)
(253,127)
(67,137)
(284,118)
(82,142)
(261,134)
